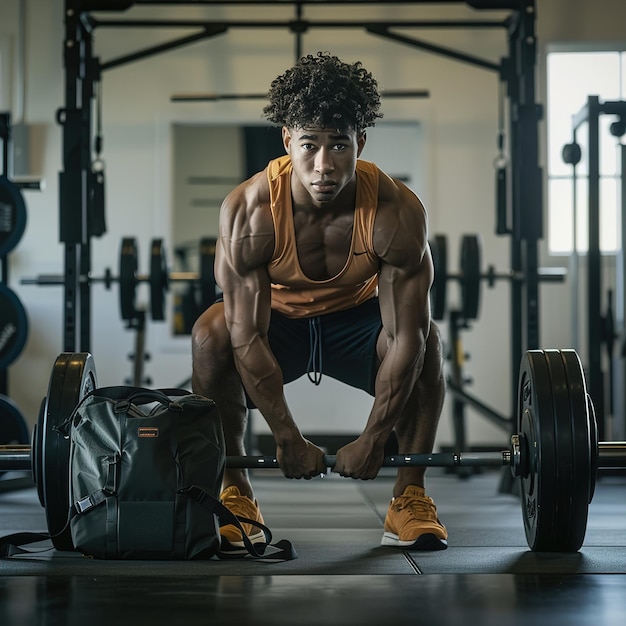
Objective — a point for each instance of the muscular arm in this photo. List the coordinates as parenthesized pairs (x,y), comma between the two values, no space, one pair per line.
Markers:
(405,277)
(244,248)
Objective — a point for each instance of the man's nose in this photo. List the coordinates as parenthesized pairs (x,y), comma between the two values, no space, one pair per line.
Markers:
(323,162)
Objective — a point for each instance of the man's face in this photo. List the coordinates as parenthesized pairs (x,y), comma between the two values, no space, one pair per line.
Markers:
(324,160)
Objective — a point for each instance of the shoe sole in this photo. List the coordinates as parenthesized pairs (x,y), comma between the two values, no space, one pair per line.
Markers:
(427,541)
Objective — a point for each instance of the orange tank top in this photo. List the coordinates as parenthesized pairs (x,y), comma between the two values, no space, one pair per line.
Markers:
(293,293)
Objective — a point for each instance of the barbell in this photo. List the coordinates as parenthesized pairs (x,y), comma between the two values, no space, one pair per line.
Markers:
(159,278)
(470,276)
(555,453)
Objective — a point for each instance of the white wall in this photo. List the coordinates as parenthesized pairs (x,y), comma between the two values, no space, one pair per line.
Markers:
(459,125)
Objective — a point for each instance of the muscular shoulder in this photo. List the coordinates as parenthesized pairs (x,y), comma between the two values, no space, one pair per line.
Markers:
(401,226)
(246,227)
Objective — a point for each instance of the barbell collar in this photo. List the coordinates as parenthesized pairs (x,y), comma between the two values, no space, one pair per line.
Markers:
(15,458)
(612,454)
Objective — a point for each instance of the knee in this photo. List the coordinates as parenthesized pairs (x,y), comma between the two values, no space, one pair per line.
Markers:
(209,332)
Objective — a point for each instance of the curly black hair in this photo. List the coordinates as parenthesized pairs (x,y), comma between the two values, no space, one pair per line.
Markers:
(324,92)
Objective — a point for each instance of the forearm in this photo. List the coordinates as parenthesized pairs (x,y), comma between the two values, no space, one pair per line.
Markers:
(262,378)
(395,381)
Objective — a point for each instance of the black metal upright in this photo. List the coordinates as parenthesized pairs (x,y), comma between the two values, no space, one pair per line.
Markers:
(596,329)
(526,184)
(594,266)
(76,120)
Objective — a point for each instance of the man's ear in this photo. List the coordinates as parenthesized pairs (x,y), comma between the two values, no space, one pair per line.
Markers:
(360,142)
(286,138)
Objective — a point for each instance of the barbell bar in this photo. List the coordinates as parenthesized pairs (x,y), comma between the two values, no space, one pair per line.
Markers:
(470,276)
(555,452)
(611,455)
(158,279)
(17,457)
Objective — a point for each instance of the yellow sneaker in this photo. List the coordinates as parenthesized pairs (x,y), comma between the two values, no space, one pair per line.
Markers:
(241,506)
(412,522)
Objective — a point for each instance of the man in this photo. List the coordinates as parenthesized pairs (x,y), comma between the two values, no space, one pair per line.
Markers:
(325,269)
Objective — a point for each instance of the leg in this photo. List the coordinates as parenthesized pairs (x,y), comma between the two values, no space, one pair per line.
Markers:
(215,376)
(412,521)
(417,427)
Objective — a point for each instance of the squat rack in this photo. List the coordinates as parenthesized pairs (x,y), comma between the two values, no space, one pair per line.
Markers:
(81,190)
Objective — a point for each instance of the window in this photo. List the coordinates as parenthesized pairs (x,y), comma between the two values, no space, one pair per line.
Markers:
(571,78)
(5,73)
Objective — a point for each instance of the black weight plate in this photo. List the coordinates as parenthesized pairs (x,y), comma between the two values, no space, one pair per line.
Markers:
(129,262)
(582,454)
(36,448)
(208,289)
(13,426)
(158,280)
(438,293)
(73,376)
(563,451)
(470,276)
(593,428)
(12,216)
(535,417)
(554,420)
(13,326)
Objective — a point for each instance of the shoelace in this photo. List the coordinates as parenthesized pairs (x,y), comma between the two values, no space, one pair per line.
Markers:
(238,506)
(421,507)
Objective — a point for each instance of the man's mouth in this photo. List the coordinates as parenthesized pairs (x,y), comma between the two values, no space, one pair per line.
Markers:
(324,186)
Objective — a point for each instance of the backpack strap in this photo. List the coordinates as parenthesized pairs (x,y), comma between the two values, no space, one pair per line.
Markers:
(11,544)
(267,552)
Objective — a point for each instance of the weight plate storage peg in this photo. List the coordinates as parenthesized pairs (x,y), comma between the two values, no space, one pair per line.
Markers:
(73,377)
(556,434)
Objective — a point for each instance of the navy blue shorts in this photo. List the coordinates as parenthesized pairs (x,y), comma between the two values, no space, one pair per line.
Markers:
(341,345)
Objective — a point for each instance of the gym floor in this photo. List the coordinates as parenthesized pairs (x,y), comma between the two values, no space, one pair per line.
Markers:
(342,575)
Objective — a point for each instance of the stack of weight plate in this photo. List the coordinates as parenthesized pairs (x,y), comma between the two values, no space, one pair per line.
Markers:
(13,319)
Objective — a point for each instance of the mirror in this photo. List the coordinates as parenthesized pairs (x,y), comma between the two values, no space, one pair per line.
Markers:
(208,162)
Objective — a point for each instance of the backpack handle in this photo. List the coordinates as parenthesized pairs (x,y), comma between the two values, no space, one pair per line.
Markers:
(145,396)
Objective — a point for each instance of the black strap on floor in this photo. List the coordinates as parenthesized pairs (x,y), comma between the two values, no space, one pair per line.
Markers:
(267,552)
(10,544)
